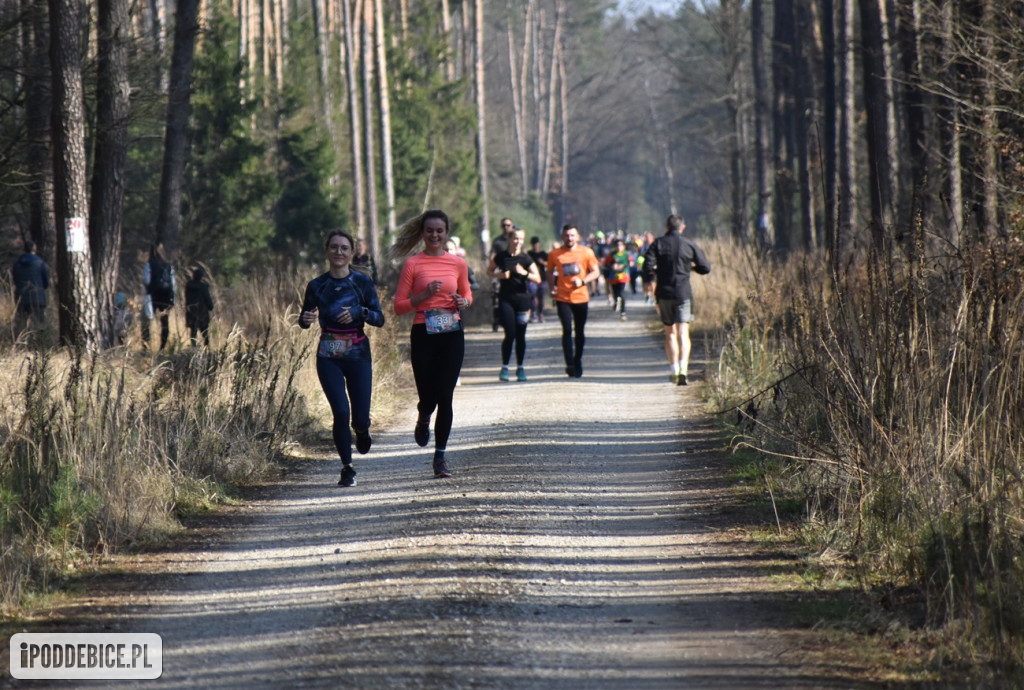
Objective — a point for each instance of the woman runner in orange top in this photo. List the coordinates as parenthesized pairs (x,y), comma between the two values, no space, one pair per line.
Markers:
(435,285)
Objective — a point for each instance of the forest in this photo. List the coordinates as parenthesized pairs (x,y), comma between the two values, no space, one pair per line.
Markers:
(862,158)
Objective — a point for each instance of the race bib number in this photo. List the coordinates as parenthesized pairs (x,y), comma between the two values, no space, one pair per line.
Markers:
(442,320)
(337,344)
(570,269)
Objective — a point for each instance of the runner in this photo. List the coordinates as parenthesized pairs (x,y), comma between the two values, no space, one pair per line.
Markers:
(346,300)
(672,257)
(571,268)
(540,257)
(434,284)
(516,271)
(617,263)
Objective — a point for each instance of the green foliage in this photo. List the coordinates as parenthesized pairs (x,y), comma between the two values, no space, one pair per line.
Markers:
(231,186)
(442,162)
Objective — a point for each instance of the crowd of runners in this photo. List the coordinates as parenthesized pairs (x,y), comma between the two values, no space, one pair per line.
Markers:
(436,285)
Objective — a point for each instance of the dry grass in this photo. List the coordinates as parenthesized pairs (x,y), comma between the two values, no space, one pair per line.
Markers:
(892,396)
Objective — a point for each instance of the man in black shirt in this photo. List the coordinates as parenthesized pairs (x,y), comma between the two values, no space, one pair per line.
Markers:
(672,257)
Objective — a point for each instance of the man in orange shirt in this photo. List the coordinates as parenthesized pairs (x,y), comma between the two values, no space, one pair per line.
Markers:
(571,268)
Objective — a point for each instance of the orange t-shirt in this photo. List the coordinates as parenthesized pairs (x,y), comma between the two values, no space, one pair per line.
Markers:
(570,264)
(419,271)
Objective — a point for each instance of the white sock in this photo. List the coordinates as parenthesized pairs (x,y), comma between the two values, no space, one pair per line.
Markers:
(675,368)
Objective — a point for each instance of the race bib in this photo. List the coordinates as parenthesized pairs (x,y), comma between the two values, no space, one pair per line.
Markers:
(338,344)
(570,269)
(442,320)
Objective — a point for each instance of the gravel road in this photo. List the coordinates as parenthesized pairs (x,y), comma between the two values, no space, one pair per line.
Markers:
(588,539)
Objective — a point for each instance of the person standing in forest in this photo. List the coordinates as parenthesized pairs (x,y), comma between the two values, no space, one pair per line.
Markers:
(435,286)
(515,271)
(344,300)
(158,277)
(672,257)
(198,306)
(31,281)
(571,269)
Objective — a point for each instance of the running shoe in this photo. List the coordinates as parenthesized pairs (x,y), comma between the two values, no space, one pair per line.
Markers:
(503,374)
(570,371)
(673,379)
(422,433)
(577,372)
(622,317)
(441,470)
(520,374)
(363,441)
(681,381)
(348,476)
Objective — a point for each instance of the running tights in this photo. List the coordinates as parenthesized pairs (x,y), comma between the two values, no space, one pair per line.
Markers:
(436,363)
(337,374)
(515,333)
(572,315)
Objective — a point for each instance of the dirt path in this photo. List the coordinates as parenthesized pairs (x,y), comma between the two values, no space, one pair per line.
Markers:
(585,541)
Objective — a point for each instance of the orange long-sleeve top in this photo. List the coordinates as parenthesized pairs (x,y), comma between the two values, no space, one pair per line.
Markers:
(419,271)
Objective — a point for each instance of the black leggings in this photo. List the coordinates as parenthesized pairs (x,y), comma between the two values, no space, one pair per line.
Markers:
(572,315)
(436,363)
(515,332)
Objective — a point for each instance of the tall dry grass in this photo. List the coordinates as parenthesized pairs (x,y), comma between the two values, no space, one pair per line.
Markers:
(894,395)
(101,452)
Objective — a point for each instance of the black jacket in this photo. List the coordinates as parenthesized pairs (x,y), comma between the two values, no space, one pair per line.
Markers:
(672,257)
(31,280)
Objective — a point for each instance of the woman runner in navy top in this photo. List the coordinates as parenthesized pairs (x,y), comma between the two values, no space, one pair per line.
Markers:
(345,300)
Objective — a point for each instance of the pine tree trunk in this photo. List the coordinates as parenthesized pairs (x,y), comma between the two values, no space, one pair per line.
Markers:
(950,119)
(38,115)
(76,309)
(846,163)
(369,152)
(549,128)
(355,126)
(517,108)
(762,145)
(176,137)
(481,133)
(384,99)
(108,184)
(881,134)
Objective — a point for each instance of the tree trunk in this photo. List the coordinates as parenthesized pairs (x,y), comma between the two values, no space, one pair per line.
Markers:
(915,105)
(829,123)
(38,111)
(881,126)
(846,174)
(663,147)
(369,152)
(517,108)
(76,311)
(384,98)
(108,183)
(176,137)
(549,128)
(762,145)
(949,130)
(991,226)
(481,133)
(783,136)
(355,126)
(563,95)
(730,37)
(323,62)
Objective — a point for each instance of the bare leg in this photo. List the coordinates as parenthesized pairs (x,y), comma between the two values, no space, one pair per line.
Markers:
(672,344)
(684,347)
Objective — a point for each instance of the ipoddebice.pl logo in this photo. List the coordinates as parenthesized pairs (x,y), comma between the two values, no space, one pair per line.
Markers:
(110,656)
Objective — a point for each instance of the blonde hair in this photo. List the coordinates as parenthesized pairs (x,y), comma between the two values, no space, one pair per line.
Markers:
(410,233)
